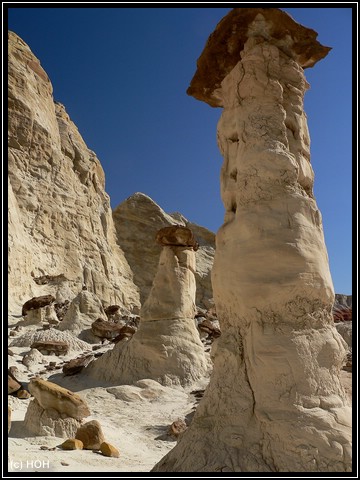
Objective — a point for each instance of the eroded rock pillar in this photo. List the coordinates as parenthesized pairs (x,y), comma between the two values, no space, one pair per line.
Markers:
(274,402)
(167,346)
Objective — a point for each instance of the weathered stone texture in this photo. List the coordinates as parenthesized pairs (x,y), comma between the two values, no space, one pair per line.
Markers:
(274,402)
(60,220)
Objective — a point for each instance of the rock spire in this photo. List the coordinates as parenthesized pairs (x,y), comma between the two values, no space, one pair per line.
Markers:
(274,402)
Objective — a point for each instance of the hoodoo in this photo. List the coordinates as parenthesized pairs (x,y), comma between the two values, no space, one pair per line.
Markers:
(274,402)
(167,346)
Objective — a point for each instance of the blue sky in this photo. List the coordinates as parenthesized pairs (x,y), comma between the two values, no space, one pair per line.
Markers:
(122,74)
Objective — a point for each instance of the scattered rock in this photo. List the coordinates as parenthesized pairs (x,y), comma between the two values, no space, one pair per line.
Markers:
(45,279)
(91,435)
(37,302)
(47,347)
(111,310)
(109,450)
(23,394)
(10,352)
(50,395)
(72,444)
(61,308)
(105,329)
(177,428)
(32,359)
(208,327)
(13,384)
(76,365)
(126,331)
(28,338)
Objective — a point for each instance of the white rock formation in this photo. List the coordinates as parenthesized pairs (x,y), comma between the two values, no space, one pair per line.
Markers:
(137,220)
(85,308)
(274,402)
(167,346)
(60,220)
(49,422)
(31,336)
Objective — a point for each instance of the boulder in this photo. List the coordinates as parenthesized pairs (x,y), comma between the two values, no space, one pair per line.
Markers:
(49,422)
(49,395)
(13,385)
(54,347)
(23,394)
(76,365)
(105,329)
(37,302)
(177,428)
(109,450)
(72,444)
(111,310)
(91,435)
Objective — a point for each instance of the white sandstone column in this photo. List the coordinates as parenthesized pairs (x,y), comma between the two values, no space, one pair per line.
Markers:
(275,402)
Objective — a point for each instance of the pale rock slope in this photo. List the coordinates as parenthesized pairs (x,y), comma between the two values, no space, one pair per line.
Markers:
(60,220)
(137,220)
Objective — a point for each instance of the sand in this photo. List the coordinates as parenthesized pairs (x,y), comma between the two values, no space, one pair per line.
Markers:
(134,419)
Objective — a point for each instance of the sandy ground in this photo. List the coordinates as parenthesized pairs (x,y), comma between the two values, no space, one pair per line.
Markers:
(136,424)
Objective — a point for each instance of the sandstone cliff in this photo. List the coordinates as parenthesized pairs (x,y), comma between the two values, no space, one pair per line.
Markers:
(137,220)
(60,220)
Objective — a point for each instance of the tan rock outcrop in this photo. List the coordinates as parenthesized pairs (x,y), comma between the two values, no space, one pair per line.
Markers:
(49,395)
(60,220)
(274,402)
(167,346)
(49,422)
(137,220)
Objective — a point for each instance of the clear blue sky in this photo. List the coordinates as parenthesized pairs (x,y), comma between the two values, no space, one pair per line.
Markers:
(122,74)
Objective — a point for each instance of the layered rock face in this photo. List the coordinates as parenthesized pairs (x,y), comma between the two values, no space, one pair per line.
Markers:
(54,411)
(167,346)
(274,402)
(60,220)
(137,220)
